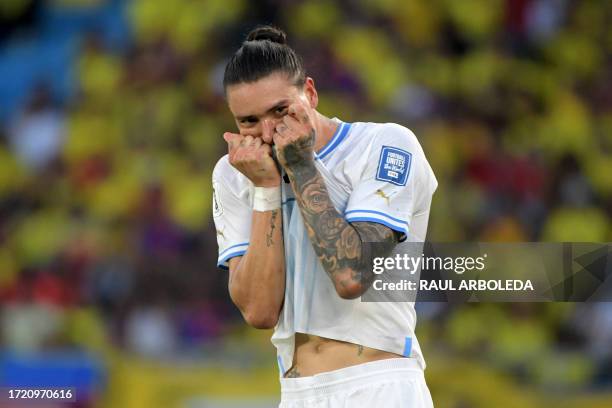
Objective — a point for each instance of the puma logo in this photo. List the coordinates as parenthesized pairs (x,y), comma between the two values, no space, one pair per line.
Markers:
(381,193)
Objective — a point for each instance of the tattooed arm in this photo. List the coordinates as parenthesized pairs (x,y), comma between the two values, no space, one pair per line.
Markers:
(344,249)
(257,279)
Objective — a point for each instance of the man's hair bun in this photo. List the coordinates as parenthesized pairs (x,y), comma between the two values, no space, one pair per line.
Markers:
(273,34)
(264,52)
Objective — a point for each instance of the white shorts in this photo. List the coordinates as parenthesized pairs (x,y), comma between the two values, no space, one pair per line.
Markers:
(389,383)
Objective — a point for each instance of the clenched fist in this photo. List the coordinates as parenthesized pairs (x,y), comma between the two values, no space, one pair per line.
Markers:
(253,158)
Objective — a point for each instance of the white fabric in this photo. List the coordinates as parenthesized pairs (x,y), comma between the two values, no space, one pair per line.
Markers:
(392,383)
(349,164)
(232,197)
(266,198)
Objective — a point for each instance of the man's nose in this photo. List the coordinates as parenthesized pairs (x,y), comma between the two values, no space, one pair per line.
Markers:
(274,121)
(254,131)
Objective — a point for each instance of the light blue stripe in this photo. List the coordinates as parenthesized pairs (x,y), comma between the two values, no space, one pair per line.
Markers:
(280,365)
(221,261)
(312,268)
(333,138)
(233,246)
(407,346)
(300,272)
(376,212)
(333,141)
(290,258)
(336,142)
(380,221)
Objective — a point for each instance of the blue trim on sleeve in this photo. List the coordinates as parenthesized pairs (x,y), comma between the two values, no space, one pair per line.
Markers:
(403,230)
(233,246)
(231,252)
(407,346)
(377,212)
(221,262)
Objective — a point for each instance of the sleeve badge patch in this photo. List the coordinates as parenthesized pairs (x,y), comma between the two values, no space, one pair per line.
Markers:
(394,165)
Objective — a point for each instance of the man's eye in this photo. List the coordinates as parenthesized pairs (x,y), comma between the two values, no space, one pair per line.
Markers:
(281,110)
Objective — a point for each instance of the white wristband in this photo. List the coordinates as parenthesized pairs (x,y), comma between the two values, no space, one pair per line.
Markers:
(266,198)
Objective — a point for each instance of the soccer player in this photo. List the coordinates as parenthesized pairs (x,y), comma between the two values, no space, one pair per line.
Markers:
(302,203)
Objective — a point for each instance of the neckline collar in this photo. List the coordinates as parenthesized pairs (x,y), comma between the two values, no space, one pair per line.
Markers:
(339,135)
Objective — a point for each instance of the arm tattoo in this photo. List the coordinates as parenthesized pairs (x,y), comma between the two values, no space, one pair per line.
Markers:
(292,373)
(269,241)
(345,250)
(300,151)
(359,349)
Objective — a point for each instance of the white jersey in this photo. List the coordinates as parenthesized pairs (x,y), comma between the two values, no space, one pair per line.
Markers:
(375,173)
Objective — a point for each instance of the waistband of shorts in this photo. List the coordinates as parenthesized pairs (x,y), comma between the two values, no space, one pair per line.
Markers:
(332,381)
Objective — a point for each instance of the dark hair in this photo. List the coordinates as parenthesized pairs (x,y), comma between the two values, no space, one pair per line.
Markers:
(265,51)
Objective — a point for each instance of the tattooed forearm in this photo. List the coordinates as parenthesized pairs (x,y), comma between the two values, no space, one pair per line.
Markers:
(345,250)
(300,151)
(269,241)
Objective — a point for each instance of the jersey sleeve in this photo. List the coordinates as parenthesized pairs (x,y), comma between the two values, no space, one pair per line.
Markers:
(231,212)
(396,180)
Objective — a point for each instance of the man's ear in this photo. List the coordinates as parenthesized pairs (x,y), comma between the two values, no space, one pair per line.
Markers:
(311,93)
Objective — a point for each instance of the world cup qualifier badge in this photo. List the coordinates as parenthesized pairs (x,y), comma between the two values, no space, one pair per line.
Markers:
(394,165)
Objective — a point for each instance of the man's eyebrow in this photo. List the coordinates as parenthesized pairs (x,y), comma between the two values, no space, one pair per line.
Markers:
(279,104)
(241,118)
(276,106)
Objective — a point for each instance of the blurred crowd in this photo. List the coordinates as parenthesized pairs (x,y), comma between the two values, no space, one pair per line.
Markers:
(111,116)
